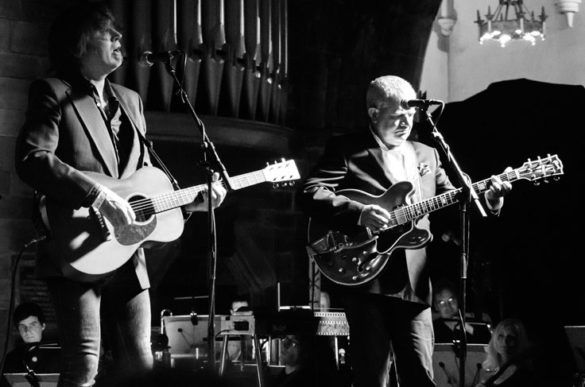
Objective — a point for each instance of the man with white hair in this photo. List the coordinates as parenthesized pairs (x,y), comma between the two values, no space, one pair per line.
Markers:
(389,315)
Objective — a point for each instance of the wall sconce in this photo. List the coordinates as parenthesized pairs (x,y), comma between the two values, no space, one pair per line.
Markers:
(569,8)
(447,18)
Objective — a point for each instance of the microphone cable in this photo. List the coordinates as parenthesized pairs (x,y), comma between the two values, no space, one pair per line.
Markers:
(450,379)
(30,243)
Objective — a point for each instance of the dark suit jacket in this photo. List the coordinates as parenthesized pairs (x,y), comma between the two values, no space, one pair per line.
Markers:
(65,134)
(355,161)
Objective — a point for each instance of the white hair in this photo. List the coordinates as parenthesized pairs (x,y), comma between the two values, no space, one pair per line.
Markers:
(388,87)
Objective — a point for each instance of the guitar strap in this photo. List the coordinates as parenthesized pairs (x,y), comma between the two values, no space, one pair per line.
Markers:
(148,144)
(155,156)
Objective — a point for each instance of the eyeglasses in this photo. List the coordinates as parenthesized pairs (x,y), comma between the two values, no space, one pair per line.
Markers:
(449,301)
(287,342)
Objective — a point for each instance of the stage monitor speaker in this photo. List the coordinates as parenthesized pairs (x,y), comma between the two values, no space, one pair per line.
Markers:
(20,379)
(576,336)
(188,334)
(446,365)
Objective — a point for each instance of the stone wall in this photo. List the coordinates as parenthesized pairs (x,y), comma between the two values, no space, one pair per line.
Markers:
(24,26)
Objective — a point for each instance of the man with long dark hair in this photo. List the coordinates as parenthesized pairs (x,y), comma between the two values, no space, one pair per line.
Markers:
(77,122)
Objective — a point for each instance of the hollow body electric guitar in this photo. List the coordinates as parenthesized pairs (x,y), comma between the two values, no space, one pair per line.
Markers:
(356,258)
(87,245)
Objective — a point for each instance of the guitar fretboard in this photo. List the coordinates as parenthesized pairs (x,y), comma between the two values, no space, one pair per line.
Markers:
(174,199)
(414,211)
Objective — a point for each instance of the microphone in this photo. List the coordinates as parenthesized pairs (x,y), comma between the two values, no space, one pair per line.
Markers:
(420,103)
(148,58)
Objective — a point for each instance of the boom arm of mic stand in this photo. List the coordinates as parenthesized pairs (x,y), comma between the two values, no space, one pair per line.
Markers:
(466,185)
(208,144)
(209,149)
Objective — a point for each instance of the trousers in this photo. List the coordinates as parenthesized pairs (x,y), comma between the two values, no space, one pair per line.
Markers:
(110,318)
(385,329)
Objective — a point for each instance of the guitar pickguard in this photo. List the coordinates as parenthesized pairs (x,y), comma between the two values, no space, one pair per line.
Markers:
(135,233)
(141,229)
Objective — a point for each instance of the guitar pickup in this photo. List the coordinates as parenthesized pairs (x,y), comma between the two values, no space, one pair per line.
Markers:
(322,245)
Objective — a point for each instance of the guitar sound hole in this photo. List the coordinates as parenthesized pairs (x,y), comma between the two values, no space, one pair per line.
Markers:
(142,207)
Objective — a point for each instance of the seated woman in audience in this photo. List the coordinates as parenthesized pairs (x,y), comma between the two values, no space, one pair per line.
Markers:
(510,359)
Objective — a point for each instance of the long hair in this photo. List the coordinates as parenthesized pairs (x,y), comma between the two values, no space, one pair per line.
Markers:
(71,31)
(494,360)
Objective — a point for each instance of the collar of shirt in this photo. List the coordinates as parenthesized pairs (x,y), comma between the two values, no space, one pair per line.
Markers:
(112,103)
(384,147)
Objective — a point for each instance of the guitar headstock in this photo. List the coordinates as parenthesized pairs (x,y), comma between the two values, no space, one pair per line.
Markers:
(541,168)
(284,173)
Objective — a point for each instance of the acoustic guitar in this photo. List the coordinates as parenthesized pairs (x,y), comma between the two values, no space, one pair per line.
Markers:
(87,244)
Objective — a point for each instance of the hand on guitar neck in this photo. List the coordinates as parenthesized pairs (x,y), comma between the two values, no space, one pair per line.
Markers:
(498,189)
(218,192)
(378,219)
(120,214)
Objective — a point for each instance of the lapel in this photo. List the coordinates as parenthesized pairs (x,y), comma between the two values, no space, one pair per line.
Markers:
(95,127)
(136,152)
(376,153)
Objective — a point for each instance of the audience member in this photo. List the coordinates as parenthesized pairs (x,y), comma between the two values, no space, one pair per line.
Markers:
(510,359)
(26,356)
(240,350)
(306,362)
(446,321)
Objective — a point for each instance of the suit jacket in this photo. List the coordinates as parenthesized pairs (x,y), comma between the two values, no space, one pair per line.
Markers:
(65,134)
(355,161)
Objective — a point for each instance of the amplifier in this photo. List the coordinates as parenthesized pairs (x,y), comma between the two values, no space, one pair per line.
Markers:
(188,334)
(310,322)
(446,365)
(20,379)
(332,324)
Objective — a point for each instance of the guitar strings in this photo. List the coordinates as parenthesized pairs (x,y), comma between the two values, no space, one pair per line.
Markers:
(148,206)
(167,197)
(410,212)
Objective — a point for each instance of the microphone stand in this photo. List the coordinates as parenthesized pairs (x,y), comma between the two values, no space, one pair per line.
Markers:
(208,150)
(468,195)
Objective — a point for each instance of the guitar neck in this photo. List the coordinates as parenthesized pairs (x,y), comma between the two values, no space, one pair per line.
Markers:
(174,199)
(414,211)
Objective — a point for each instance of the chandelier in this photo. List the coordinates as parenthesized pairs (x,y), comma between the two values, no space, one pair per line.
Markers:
(502,26)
